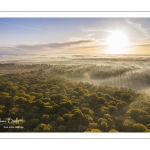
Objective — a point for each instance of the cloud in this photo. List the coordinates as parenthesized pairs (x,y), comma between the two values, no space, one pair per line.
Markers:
(141,45)
(53,45)
(50,47)
(67,44)
(89,35)
(138,26)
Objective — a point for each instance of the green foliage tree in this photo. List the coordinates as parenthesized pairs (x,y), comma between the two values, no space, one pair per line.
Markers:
(137,127)
(42,128)
(45,118)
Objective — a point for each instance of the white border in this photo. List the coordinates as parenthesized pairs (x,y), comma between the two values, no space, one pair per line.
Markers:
(74,14)
(58,135)
(74,5)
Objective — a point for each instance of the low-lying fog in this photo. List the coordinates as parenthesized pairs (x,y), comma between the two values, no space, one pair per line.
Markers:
(128,71)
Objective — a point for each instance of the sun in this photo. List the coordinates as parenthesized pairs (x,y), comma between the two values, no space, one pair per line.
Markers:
(117,43)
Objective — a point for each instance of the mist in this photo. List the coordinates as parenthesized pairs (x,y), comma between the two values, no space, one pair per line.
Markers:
(127,71)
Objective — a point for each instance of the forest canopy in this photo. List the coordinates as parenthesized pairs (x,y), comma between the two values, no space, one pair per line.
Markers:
(47,101)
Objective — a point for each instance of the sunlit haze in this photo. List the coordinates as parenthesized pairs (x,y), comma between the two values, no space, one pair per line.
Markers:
(74,36)
(117,43)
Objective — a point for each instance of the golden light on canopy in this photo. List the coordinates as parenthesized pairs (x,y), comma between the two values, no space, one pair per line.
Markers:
(117,43)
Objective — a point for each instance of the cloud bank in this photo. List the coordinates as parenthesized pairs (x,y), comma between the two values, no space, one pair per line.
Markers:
(55,47)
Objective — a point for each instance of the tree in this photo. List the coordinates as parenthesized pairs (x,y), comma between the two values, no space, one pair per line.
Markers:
(60,120)
(78,115)
(113,130)
(137,127)
(45,119)
(93,125)
(49,110)
(72,126)
(62,111)
(112,109)
(101,100)
(93,130)
(134,113)
(42,128)
(128,124)
(148,126)
(61,128)
(87,111)
(30,125)
(104,126)
(120,105)
(67,104)
(2,114)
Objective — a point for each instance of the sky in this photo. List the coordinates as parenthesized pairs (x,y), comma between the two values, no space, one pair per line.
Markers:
(75,36)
